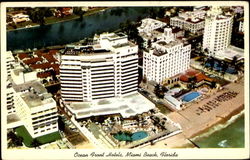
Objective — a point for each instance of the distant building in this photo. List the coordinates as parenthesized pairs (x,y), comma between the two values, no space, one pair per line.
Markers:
(10,100)
(166,58)
(237,9)
(218,30)
(152,30)
(64,11)
(149,24)
(20,75)
(241,26)
(36,108)
(10,60)
(105,70)
(20,17)
(192,21)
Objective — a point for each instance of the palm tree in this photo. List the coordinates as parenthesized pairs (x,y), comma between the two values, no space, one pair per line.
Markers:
(234,61)
(224,67)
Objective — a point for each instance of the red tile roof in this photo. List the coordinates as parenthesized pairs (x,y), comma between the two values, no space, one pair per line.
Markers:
(23,55)
(40,66)
(56,68)
(32,60)
(43,74)
(53,51)
(49,58)
(199,76)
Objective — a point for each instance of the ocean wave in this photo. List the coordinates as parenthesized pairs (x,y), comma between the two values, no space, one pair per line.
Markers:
(219,127)
(223,143)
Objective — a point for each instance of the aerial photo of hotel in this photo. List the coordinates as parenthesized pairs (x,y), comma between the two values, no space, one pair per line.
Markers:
(103,77)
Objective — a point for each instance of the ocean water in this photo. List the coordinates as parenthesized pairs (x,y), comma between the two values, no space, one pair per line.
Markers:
(229,135)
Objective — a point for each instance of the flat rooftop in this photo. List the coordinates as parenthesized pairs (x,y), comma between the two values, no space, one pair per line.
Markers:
(40,89)
(34,100)
(84,50)
(230,52)
(33,93)
(127,106)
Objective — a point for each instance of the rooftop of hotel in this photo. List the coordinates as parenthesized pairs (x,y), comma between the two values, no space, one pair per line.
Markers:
(190,20)
(170,44)
(33,93)
(84,50)
(33,99)
(115,36)
(151,35)
(130,44)
(127,106)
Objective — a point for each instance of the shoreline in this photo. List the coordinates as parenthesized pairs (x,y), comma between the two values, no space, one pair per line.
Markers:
(237,112)
(219,126)
(60,21)
(195,126)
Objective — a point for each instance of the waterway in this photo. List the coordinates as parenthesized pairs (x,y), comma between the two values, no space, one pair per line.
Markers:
(72,31)
(226,135)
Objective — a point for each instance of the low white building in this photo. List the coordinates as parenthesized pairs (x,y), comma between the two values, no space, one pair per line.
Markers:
(173,102)
(230,52)
(192,21)
(241,26)
(149,24)
(10,61)
(237,9)
(17,18)
(20,75)
(10,100)
(36,108)
(167,58)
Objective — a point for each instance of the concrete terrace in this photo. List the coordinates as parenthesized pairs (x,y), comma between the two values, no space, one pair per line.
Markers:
(127,106)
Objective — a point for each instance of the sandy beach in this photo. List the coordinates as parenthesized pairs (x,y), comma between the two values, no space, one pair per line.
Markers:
(194,121)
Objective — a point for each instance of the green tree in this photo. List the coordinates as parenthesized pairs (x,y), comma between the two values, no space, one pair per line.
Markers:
(224,67)
(158,91)
(61,124)
(14,139)
(213,84)
(35,143)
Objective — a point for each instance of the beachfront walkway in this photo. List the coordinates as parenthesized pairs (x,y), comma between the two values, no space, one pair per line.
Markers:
(221,106)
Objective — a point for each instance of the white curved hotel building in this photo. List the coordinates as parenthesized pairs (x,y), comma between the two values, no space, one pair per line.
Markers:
(218,30)
(104,70)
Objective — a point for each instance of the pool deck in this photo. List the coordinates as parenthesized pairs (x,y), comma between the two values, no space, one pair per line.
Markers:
(194,124)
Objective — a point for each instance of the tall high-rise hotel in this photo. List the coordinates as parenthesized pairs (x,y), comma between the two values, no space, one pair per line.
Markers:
(106,69)
(166,58)
(218,30)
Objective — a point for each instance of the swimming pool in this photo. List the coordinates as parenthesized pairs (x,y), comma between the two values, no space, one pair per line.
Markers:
(139,135)
(190,96)
(134,137)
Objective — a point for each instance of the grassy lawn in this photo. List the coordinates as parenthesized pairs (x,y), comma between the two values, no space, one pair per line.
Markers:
(27,139)
(163,109)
